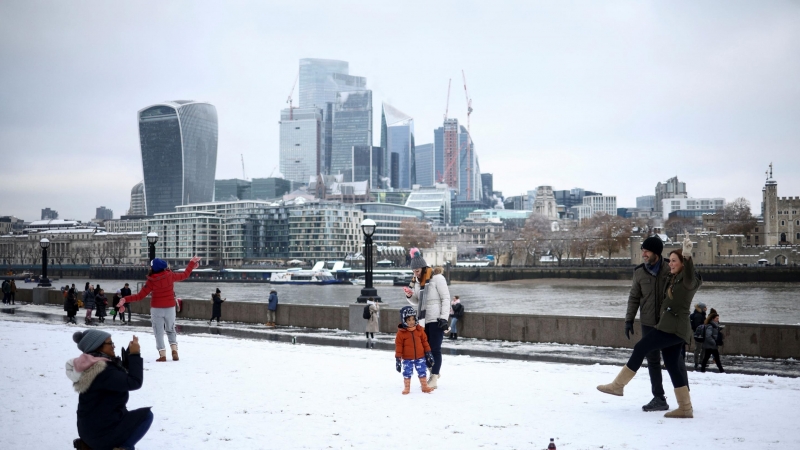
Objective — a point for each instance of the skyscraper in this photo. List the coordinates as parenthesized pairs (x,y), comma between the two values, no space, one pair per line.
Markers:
(352,125)
(137,207)
(398,129)
(424,159)
(179,154)
(469,171)
(672,188)
(103,213)
(322,79)
(301,144)
(450,144)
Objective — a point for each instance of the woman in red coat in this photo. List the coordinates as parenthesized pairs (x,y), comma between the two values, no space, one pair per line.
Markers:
(160,281)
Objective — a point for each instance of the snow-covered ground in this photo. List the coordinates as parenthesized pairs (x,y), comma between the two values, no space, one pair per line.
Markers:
(254,394)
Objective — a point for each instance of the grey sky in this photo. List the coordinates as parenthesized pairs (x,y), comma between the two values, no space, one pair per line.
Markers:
(608,96)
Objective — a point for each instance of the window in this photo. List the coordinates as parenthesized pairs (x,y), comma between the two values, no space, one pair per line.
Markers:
(783,222)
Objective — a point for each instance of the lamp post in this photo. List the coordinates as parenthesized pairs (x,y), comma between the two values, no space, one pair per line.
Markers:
(368,227)
(43,281)
(152,238)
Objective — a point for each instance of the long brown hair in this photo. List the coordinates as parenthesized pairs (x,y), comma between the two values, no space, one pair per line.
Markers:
(679,252)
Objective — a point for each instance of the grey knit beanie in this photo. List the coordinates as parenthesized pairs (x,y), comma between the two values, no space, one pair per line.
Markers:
(416,259)
(90,340)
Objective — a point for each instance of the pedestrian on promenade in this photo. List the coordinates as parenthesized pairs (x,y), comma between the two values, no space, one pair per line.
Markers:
(216,308)
(429,294)
(6,292)
(71,305)
(114,308)
(13,292)
(103,381)
(89,302)
(100,303)
(373,322)
(411,350)
(97,290)
(125,291)
(672,332)
(161,282)
(697,318)
(713,340)
(646,296)
(456,313)
(272,308)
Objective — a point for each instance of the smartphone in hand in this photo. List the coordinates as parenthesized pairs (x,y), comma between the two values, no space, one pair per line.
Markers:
(408,291)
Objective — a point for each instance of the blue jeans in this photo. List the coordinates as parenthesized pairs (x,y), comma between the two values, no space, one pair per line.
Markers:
(410,364)
(454,325)
(139,432)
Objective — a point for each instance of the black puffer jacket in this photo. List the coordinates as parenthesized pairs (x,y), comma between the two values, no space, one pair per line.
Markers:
(698,317)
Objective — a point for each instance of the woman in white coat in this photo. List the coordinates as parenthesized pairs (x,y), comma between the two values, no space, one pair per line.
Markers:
(429,294)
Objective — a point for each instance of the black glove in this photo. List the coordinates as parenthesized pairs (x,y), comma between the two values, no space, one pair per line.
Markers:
(397,364)
(629,330)
(429,359)
(125,353)
(443,325)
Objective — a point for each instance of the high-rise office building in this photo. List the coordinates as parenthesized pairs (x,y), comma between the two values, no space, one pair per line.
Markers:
(450,144)
(368,165)
(394,170)
(646,202)
(352,125)
(301,144)
(49,214)
(487,183)
(424,160)
(232,190)
(454,163)
(572,197)
(137,207)
(269,188)
(179,153)
(672,188)
(397,131)
(103,213)
(469,171)
(322,79)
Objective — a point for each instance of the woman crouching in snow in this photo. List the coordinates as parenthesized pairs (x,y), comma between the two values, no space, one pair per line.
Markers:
(103,382)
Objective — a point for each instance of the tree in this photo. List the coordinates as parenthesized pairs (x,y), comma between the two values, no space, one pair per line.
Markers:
(584,241)
(557,244)
(416,233)
(533,234)
(613,233)
(736,218)
(675,226)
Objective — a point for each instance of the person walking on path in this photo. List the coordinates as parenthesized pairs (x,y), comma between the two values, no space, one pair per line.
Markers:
(100,303)
(430,296)
(161,282)
(697,318)
(103,382)
(114,308)
(6,292)
(412,351)
(71,305)
(13,292)
(373,322)
(646,296)
(713,340)
(124,292)
(672,332)
(216,308)
(272,308)
(456,313)
(89,302)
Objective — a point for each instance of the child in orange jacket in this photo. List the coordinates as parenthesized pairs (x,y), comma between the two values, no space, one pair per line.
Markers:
(411,350)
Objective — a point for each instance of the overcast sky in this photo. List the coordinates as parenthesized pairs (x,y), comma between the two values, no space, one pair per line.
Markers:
(607,96)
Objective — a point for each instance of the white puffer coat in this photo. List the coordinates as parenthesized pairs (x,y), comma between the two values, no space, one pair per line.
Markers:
(435,298)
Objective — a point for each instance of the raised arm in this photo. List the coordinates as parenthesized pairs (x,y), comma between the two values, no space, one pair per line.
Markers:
(188,271)
(689,276)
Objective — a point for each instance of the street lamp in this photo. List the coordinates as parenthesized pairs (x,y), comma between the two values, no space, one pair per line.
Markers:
(43,281)
(152,238)
(368,227)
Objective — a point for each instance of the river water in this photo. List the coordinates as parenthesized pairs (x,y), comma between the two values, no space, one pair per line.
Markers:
(777,303)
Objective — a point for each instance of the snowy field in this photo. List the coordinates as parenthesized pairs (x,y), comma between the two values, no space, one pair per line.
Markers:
(241,394)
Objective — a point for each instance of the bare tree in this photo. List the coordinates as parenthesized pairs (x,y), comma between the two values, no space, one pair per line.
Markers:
(584,241)
(613,232)
(675,226)
(736,218)
(416,233)
(557,245)
(118,250)
(34,252)
(534,235)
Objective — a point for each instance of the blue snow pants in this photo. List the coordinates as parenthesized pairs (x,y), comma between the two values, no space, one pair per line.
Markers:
(410,364)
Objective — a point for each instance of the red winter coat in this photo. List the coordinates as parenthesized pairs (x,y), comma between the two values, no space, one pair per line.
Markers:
(161,285)
(411,344)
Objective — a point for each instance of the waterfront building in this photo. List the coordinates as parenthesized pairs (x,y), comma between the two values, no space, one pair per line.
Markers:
(780,218)
(424,161)
(127,225)
(185,234)
(76,246)
(476,233)
(232,190)
(103,213)
(352,125)
(179,153)
(690,204)
(137,207)
(388,217)
(38,226)
(672,188)
(545,202)
(269,188)
(434,201)
(301,143)
(397,131)
(446,234)
(646,202)
(49,214)
(320,230)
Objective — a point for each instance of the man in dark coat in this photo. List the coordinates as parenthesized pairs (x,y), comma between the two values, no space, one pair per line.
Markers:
(272,307)
(216,308)
(103,381)
(646,296)
(124,292)
(697,318)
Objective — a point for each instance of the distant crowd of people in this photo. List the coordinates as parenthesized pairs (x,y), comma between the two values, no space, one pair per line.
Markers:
(9,288)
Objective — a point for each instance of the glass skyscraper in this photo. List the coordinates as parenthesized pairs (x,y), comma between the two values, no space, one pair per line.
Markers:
(322,79)
(179,154)
(424,158)
(301,144)
(398,129)
(352,125)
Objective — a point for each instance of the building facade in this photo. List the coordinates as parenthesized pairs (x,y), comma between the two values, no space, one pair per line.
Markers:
(545,202)
(320,230)
(646,202)
(352,125)
(49,214)
(690,204)
(137,207)
(781,221)
(301,143)
(388,217)
(434,201)
(397,131)
(232,190)
(321,79)
(179,153)
(425,167)
(671,188)
(269,188)
(103,213)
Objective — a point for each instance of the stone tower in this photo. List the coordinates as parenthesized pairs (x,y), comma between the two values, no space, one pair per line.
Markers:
(770,209)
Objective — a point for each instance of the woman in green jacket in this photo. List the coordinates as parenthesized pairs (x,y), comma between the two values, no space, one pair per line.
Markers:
(673,331)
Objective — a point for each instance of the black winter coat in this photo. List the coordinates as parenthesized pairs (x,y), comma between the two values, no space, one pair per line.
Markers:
(100,304)
(104,421)
(458,311)
(71,303)
(697,318)
(216,310)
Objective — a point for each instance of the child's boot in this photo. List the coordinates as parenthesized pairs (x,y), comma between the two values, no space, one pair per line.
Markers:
(424,383)
(406,386)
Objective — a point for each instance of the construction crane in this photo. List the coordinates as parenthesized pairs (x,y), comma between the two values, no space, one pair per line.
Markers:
(244,175)
(289,100)
(447,107)
(273,171)
(469,138)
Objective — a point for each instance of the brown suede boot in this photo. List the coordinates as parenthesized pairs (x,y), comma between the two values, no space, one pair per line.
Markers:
(406,386)
(617,386)
(684,410)
(174,348)
(162,356)
(424,383)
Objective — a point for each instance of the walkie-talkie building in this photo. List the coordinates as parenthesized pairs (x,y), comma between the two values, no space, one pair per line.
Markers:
(179,154)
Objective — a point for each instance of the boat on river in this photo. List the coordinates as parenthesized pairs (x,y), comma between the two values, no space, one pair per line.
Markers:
(387,278)
(317,275)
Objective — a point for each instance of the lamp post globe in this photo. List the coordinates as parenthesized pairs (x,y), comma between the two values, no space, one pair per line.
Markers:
(43,280)
(152,238)
(368,227)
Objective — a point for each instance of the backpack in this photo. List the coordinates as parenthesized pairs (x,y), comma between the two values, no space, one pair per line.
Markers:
(700,333)
(366,314)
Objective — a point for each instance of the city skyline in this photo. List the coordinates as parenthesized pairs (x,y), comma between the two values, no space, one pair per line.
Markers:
(609,96)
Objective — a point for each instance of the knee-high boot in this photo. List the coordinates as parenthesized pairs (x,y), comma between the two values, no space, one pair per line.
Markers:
(617,386)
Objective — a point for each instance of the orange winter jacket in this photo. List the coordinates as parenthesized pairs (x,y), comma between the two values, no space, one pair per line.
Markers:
(411,343)
(161,285)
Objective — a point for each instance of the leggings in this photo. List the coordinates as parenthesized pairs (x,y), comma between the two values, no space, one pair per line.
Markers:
(708,354)
(435,338)
(370,335)
(671,347)
(88,314)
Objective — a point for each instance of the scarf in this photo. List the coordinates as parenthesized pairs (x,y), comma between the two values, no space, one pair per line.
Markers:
(653,270)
